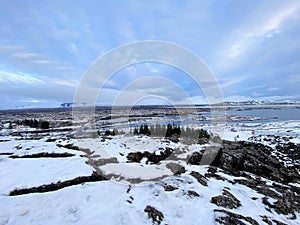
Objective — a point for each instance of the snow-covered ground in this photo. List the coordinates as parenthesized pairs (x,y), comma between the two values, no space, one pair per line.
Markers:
(122,202)
(109,202)
(244,131)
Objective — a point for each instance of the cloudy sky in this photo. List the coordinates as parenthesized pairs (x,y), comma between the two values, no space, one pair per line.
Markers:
(252,47)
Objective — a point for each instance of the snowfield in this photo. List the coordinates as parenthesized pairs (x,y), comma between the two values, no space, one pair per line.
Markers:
(111,202)
(174,198)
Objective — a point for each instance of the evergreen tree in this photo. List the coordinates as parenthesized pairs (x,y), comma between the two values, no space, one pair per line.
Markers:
(169,130)
(44,124)
(147,130)
(203,134)
(141,129)
(115,132)
(35,123)
(107,133)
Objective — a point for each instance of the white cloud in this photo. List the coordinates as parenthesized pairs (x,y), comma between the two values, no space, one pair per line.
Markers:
(265,27)
(68,83)
(27,55)
(228,83)
(62,67)
(45,62)
(18,78)
(238,98)
(68,46)
(273,89)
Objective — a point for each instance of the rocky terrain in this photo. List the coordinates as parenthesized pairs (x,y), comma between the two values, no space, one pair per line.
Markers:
(48,176)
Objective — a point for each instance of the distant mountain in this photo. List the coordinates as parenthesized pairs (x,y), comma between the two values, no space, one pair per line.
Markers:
(226,103)
(66,105)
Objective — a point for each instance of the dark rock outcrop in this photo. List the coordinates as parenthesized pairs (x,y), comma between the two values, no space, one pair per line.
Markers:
(74,147)
(154,214)
(200,178)
(175,168)
(192,193)
(59,185)
(101,161)
(135,157)
(151,157)
(233,218)
(195,158)
(43,155)
(170,188)
(203,141)
(237,157)
(287,197)
(227,200)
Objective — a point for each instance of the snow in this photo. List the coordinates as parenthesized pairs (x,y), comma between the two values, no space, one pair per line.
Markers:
(123,144)
(29,147)
(136,171)
(117,202)
(110,202)
(25,173)
(246,130)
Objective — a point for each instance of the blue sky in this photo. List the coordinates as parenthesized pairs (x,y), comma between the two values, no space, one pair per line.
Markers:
(252,47)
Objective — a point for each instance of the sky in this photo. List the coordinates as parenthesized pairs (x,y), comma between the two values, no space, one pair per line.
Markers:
(251,47)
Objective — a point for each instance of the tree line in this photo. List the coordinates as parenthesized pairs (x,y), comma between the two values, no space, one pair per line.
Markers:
(43,124)
(170,130)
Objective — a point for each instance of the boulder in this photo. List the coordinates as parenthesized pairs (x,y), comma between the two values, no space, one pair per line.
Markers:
(154,214)
(227,200)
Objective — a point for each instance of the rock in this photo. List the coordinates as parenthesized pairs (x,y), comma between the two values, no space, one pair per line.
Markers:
(43,155)
(268,221)
(134,156)
(212,169)
(227,200)
(50,139)
(254,158)
(211,172)
(102,161)
(233,218)
(170,188)
(154,214)
(192,193)
(59,185)
(288,204)
(195,158)
(227,220)
(200,178)
(203,141)
(151,157)
(74,147)
(287,197)
(175,168)
(154,158)
(267,203)
(174,138)
(290,149)
(278,222)
(205,156)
